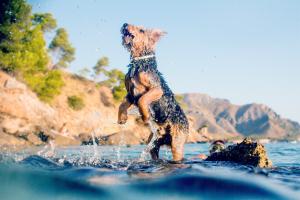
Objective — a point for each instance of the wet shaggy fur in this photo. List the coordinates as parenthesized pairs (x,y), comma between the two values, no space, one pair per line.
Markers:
(147,89)
(166,108)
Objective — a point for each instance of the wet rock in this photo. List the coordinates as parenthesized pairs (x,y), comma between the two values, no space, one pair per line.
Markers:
(11,141)
(34,139)
(86,139)
(61,140)
(247,153)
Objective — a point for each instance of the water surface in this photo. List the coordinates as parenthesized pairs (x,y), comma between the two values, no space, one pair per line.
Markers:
(117,172)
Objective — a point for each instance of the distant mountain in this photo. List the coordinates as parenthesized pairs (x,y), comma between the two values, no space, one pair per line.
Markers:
(222,117)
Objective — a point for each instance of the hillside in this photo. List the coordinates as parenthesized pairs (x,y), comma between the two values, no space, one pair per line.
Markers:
(24,118)
(222,117)
(26,121)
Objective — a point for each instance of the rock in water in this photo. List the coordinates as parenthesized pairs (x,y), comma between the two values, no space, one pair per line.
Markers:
(247,153)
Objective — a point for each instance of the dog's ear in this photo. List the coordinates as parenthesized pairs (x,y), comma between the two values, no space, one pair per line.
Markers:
(156,34)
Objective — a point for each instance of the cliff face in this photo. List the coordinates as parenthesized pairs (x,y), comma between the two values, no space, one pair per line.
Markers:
(25,120)
(222,117)
(21,113)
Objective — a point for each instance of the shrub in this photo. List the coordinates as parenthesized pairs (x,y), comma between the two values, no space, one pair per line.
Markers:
(75,102)
(114,78)
(119,92)
(46,86)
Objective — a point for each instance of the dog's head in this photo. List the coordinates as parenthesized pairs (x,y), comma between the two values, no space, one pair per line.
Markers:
(138,40)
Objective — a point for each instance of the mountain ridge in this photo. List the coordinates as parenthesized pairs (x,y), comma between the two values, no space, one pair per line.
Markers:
(249,119)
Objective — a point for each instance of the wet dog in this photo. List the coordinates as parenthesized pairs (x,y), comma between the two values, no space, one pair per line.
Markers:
(147,89)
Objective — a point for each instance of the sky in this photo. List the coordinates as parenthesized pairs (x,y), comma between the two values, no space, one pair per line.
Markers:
(244,51)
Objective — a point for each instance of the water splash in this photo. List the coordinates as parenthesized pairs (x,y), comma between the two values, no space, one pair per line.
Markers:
(94,132)
(94,144)
(48,150)
(122,143)
(52,147)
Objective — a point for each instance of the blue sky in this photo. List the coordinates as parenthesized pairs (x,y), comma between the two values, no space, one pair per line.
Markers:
(244,51)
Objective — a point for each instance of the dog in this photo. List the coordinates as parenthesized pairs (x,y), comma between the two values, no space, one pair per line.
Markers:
(147,89)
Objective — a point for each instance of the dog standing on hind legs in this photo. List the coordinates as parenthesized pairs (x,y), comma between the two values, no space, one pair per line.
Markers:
(147,89)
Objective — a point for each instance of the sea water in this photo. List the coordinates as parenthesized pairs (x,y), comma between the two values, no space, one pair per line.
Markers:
(71,174)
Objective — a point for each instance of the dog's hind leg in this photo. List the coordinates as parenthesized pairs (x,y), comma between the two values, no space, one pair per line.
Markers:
(164,139)
(154,151)
(155,146)
(179,138)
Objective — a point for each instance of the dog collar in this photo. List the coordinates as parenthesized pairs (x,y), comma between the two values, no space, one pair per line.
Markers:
(143,57)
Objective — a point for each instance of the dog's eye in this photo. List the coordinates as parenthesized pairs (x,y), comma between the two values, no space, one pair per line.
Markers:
(142,31)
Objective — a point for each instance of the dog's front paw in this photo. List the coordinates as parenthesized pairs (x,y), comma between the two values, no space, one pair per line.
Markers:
(122,119)
(146,119)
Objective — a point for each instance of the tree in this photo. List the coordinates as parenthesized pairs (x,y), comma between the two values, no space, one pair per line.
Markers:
(119,91)
(84,72)
(45,20)
(61,46)
(114,78)
(22,45)
(100,66)
(14,12)
(117,81)
(23,51)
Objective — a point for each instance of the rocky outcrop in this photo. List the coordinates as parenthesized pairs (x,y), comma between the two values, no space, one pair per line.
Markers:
(247,153)
(22,114)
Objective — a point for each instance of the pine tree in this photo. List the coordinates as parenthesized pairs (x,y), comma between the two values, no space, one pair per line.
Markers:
(23,51)
(101,66)
(45,20)
(61,47)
